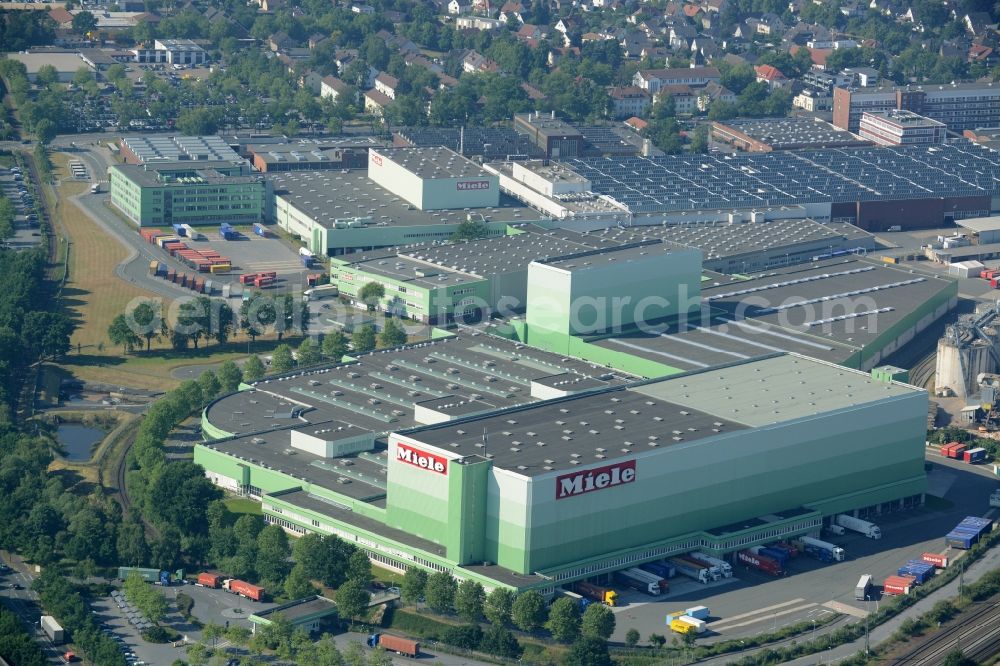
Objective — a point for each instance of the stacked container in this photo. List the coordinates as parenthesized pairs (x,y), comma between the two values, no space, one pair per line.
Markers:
(968,532)
(953,450)
(920,571)
(897,585)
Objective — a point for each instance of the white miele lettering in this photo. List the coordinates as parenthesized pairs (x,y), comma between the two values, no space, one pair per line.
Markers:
(421,459)
(579,483)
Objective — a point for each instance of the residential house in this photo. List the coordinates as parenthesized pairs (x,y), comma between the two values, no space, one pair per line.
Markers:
(715,6)
(311,81)
(534,94)
(714,93)
(316,39)
(456,7)
(512,9)
(365,10)
(681,35)
(376,102)
(772,76)
(477,23)
(332,88)
(280,41)
(770,24)
(474,63)
(706,47)
(636,123)
(656,52)
(863,77)
(63,19)
(979,23)
(387,84)
(813,100)
(654,79)
(567,25)
(685,98)
(980,53)
(531,34)
(633,43)
(691,11)
(629,101)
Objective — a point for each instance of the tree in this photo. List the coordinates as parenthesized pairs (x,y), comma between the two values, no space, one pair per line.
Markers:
(121,333)
(229,376)
(528,611)
(46,75)
(471,230)
(84,22)
(308,353)
(209,384)
(413,585)
(392,334)
(564,620)
(371,293)
(334,345)
(632,638)
(281,359)
(363,338)
(598,621)
(699,140)
(352,600)
(272,553)
(297,585)
(498,606)
(359,568)
(657,640)
(469,600)
(440,592)
(253,369)
(149,320)
(588,651)
(498,641)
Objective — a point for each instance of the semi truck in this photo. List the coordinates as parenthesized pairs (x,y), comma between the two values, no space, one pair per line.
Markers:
(52,629)
(724,568)
(155,576)
(581,601)
(401,646)
(822,550)
(976,455)
(779,556)
(760,562)
(691,568)
(244,589)
(602,595)
(864,588)
(644,581)
(870,530)
(320,292)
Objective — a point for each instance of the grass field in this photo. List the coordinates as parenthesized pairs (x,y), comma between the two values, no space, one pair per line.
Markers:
(241,505)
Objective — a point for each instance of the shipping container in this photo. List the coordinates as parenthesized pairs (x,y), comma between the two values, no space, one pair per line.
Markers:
(52,629)
(209,580)
(259,229)
(940,561)
(698,612)
(659,568)
(220,268)
(962,539)
(401,646)
(823,551)
(179,229)
(148,575)
(244,589)
(307,262)
(153,266)
(976,455)
(864,588)
(693,569)
(897,585)
(919,570)
(628,578)
(604,595)
(247,278)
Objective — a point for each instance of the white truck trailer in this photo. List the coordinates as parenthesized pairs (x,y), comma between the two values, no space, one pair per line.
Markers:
(870,530)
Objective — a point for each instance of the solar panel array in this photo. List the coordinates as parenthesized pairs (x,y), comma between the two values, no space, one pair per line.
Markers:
(608,140)
(489,142)
(692,182)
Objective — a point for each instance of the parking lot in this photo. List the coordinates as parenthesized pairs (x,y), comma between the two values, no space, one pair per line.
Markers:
(14,187)
(751,603)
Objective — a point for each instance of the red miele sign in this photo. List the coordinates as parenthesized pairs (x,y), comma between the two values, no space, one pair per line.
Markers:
(579,483)
(472,185)
(376,159)
(422,459)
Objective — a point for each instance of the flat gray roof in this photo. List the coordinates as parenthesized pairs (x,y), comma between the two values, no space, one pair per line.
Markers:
(502,254)
(330,195)
(980,224)
(744,319)
(616,254)
(401,267)
(581,431)
(176,148)
(149,176)
(434,162)
(904,118)
(377,393)
(62,61)
(718,240)
(310,607)
(801,132)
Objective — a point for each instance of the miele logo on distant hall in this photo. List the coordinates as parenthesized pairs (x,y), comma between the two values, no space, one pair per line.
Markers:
(421,459)
(376,159)
(472,185)
(579,483)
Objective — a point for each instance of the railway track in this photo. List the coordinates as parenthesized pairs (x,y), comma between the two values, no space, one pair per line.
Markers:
(977,636)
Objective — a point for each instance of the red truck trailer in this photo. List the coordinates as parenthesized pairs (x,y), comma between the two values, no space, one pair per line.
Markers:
(244,589)
(940,561)
(209,580)
(953,450)
(763,563)
(401,646)
(898,585)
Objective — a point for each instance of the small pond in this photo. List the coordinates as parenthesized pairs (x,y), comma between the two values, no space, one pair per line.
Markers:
(78,441)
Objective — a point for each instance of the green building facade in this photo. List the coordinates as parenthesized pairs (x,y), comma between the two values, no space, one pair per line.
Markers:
(187,194)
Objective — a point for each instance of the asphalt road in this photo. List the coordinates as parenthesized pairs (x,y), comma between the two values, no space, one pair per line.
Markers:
(24,602)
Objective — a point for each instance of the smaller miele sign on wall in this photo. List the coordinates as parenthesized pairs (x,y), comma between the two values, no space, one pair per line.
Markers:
(587,481)
(421,459)
(376,159)
(472,185)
